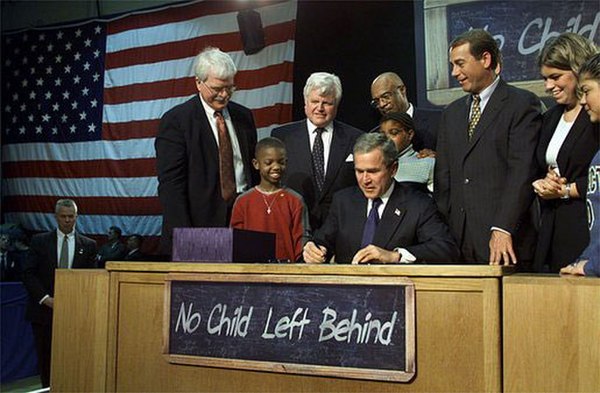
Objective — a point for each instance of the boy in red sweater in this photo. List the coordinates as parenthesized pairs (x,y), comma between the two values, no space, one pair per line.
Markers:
(271,207)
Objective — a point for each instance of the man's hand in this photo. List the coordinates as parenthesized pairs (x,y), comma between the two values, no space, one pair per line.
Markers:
(48,302)
(550,187)
(501,249)
(426,153)
(313,253)
(575,268)
(375,254)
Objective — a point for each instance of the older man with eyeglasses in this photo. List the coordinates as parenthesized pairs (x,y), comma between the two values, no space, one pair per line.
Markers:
(388,93)
(204,150)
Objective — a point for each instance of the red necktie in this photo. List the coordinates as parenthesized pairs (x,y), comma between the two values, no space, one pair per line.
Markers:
(225,159)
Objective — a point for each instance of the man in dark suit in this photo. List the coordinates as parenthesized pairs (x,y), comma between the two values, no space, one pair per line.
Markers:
(485,157)
(134,252)
(113,249)
(381,220)
(388,93)
(10,260)
(204,150)
(60,248)
(319,148)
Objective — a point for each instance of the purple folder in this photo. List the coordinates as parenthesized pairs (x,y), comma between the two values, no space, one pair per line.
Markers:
(222,245)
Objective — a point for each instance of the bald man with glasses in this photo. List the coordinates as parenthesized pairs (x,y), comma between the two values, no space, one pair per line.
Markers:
(389,94)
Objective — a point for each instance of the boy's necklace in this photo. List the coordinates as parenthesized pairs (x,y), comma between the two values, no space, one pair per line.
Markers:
(263,193)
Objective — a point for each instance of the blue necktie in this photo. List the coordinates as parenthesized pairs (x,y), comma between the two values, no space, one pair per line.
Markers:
(371,224)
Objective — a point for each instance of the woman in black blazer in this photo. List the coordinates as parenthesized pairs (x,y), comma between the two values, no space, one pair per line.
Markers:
(568,142)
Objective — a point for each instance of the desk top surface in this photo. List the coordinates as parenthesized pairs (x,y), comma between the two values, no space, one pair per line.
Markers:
(310,269)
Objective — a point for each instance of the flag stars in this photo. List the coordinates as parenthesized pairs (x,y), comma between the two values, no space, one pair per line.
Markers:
(50,47)
(85,91)
(30,118)
(58,59)
(14,119)
(96,54)
(87,43)
(25,61)
(15,97)
(22,130)
(38,129)
(82,116)
(42,37)
(54,130)
(49,70)
(67,69)
(68,46)
(77,56)
(94,103)
(55,107)
(66,95)
(24,83)
(7,108)
(48,95)
(73,129)
(78,33)
(33,48)
(74,105)
(96,77)
(46,117)
(32,95)
(76,80)
(17,50)
(97,29)
(59,35)
(91,128)
(57,82)
(64,118)
(86,66)
(40,59)
(39,82)
(16,72)
(23,107)
(32,70)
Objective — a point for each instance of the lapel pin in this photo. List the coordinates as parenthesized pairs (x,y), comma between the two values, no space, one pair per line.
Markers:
(397,212)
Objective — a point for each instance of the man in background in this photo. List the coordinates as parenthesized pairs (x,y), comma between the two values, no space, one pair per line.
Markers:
(113,249)
(62,248)
(319,148)
(388,93)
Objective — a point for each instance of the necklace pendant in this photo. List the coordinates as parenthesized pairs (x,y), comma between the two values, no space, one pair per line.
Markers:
(268,210)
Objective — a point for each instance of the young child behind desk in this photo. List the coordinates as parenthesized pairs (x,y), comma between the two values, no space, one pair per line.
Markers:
(271,207)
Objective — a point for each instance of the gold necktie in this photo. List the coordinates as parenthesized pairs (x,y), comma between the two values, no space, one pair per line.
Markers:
(475,115)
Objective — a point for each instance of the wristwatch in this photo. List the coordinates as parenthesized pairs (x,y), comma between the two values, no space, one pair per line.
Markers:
(568,191)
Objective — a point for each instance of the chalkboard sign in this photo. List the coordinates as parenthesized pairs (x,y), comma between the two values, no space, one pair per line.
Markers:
(354,327)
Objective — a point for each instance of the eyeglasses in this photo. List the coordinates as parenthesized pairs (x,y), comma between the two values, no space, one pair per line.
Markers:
(229,90)
(385,97)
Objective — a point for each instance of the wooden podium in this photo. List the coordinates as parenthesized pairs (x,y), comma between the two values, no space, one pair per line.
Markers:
(108,331)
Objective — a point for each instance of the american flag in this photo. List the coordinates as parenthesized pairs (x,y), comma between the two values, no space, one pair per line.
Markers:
(81,105)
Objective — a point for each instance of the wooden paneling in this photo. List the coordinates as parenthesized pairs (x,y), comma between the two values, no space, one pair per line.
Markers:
(458,344)
(79,333)
(551,334)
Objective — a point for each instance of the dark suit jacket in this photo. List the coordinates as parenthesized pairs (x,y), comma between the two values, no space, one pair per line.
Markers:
(135,256)
(563,233)
(299,173)
(38,272)
(12,272)
(410,220)
(187,160)
(486,182)
(114,251)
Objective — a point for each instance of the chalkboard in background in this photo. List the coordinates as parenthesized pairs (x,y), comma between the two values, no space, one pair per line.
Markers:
(353,327)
